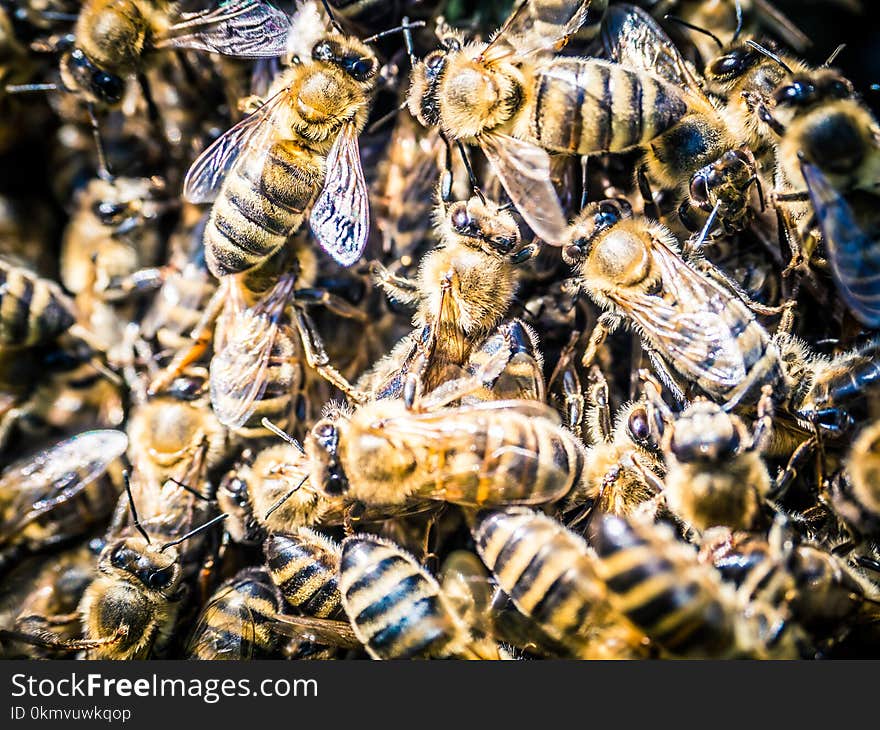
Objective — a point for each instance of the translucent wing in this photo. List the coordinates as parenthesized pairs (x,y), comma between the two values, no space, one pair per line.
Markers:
(854,255)
(526,32)
(319,630)
(632,38)
(225,629)
(240,366)
(43,482)
(255,133)
(243,28)
(524,171)
(695,332)
(340,218)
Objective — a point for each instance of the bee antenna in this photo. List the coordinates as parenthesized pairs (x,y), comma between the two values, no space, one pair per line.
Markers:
(404,27)
(760,189)
(30,88)
(710,222)
(834,54)
(284,498)
(385,118)
(472,179)
(126,478)
(189,489)
(697,28)
(103,169)
(739,20)
(772,56)
(193,532)
(505,207)
(332,16)
(280,433)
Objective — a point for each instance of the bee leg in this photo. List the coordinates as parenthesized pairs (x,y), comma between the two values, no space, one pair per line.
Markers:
(399,288)
(713,272)
(598,408)
(756,106)
(353,514)
(785,477)
(763,427)
(585,181)
(650,207)
(520,370)
(605,325)
(666,377)
(317,358)
(332,302)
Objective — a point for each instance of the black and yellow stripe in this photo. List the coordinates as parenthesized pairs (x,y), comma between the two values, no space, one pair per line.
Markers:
(258,209)
(395,607)
(662,589)
(32,310)
(585,106)
(305,567)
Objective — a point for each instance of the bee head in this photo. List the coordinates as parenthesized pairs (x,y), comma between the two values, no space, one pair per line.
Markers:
(233,498)
(737,61)
(594,220)
(80,74)
(734,167)
(485,224)
(322,447)
(644,427)
(426,77)
(144,562)
(351,56)
(704,432)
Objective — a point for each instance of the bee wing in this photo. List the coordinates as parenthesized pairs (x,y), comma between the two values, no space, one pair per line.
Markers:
(518,35)
(319,630)
(524,171)
(240,368)
(225,629)
(692,334)
(243,28)
(632,38)
(56,475)
(340,218)
(853,254)
(254,133)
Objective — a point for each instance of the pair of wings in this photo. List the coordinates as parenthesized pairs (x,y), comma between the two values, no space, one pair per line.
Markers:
(41,483)
(241,28)
(853,253)
(240,367)
(694,331)
(340,217)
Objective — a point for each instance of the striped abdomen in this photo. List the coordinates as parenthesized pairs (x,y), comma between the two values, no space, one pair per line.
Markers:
(305,567)
(259,206)
(33,310)
(546,569)
(659,586)
(516,458)
(394,606)
(585,106)
(238,621)
(846,380)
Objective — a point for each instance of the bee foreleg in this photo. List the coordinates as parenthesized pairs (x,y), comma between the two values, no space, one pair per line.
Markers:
(317,358)
(605,325)
(650,207)
(763,427)
(399,288)
(758,107)
(598,408)
(332,302)
(665,374)
(789,473)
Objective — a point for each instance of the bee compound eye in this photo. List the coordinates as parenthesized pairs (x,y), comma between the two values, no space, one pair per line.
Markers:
(699,189)
(638,424)
(461,219)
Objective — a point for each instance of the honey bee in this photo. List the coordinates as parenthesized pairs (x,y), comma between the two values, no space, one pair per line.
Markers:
(632,268)
(237,622)
(58,493)
(549,573)
(516,104)
(715,473)
(622,469)
(302,142)
(113,41)
(495,452)
(657,582)
(464,288)
(397,609)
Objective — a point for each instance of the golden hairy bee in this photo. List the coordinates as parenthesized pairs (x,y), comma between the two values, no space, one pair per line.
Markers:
(299,149)
(114,40)
(516,100)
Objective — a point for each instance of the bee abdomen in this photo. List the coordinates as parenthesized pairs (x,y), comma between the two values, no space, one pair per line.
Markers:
(545,569)
(659,594)
(31,311)
(255,214)
(394,607)
(587,106)
(305,569)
